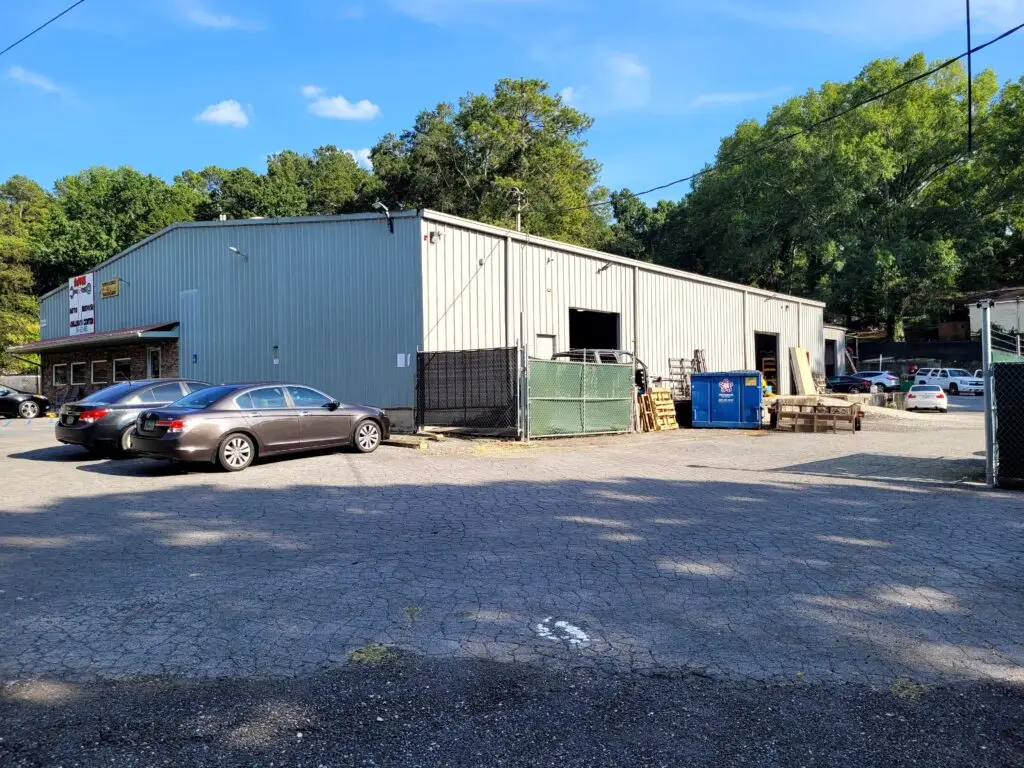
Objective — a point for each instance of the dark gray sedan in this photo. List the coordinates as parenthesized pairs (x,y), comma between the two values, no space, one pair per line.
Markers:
(103,422)
(233,424)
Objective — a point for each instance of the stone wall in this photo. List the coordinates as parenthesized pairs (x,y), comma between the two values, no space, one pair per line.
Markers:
(135,353)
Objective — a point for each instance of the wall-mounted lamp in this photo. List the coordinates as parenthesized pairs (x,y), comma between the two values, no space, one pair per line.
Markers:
(237,252)
(379,206)
(607,265)
(435,237)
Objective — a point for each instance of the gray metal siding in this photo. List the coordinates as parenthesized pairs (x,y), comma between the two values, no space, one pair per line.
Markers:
(339,299)
(464,301)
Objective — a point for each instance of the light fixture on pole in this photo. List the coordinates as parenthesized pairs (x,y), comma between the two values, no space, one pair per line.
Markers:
(238,252)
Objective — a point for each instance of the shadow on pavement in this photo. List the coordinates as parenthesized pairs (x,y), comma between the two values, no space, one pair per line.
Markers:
(56,453)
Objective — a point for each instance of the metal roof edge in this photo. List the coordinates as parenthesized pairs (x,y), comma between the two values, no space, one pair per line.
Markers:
(447,218)
(409,214)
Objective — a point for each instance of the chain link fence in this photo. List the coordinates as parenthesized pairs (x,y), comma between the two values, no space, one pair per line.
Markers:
(570,398)
(1008,378)
(473,389)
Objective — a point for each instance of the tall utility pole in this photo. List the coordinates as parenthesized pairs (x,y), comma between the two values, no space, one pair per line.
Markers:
(517,195)
(989,383)
(970,86)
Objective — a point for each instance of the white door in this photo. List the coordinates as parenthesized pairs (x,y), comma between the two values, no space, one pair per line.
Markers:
(543,347)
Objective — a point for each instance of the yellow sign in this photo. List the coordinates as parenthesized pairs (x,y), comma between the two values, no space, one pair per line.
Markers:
(751,381)
(110,288)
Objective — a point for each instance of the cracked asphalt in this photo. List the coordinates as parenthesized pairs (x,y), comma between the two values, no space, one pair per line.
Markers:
(818,569)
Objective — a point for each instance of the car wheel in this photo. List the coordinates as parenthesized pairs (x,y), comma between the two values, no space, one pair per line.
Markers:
(236,452)
(367,436)
(954,390)
(28,409)
(854,390)
(124,445)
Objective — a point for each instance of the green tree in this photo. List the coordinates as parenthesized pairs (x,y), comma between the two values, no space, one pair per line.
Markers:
(484,157)
(23,207)
(102,211)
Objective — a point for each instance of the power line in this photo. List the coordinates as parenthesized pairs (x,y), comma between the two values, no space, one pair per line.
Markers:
(800,132)
(41,27)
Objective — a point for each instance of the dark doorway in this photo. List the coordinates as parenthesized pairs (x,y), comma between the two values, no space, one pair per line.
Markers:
(766,352)
(593,330)
(831,358)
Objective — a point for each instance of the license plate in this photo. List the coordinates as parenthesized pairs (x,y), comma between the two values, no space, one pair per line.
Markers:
(68,419)
(149,424)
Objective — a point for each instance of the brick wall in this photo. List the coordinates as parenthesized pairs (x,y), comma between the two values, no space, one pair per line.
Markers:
(136,353)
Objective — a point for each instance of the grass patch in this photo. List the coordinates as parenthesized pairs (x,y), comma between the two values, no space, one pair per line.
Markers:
(376,654)
(905,688)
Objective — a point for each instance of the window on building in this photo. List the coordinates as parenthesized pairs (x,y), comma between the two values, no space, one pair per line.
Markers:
(78,373)
(60,375)
(123,369)
(153,363)
(100,371)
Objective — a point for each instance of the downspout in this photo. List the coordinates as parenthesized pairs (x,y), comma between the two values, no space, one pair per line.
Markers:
(509,336)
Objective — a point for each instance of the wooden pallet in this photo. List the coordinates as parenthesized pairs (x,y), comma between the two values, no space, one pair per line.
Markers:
(659,412)
(679,377)
(700,363)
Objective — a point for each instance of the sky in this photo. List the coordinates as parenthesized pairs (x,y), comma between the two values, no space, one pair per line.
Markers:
(164,85)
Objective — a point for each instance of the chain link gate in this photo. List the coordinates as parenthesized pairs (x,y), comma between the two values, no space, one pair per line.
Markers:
(472,389)
(570,398)
(1008,380)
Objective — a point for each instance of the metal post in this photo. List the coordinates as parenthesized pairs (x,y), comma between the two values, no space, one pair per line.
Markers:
(1018,345)
(525,386)
(989,382)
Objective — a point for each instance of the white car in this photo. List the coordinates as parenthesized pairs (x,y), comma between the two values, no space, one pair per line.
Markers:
(929,397)
(886,381)
(955,381)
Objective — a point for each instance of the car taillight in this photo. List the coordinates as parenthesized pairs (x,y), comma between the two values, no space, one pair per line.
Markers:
(940,396)
(911,397)
(174,425)
(95,415)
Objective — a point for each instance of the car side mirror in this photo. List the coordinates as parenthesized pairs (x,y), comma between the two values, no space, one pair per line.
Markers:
(333,405)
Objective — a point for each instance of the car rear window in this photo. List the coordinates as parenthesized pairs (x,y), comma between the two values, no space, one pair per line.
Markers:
(926,388)
(110,395)
(204,398)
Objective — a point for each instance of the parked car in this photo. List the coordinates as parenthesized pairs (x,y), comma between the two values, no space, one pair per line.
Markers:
(955,381)
(103,422)
(886,381)
(930,397)
(853,385)
(608,357)
(25,405)
(233,424)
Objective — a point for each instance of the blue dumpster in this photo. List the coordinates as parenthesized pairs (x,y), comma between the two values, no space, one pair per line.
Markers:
(727,400)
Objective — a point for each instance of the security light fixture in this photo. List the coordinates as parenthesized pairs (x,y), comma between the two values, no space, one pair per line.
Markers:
(238,252)
(379,206)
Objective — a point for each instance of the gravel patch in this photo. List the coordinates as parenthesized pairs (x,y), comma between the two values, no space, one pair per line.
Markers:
(426,713)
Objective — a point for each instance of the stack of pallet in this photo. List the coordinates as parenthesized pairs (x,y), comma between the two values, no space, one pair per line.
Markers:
(657,411)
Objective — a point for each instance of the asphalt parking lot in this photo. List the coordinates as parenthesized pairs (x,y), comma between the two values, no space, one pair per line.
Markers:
(872,560)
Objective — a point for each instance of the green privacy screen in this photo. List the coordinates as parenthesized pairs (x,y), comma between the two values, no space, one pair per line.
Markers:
(579,398)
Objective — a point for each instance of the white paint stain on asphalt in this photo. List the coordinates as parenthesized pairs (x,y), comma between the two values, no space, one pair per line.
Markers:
(562,631)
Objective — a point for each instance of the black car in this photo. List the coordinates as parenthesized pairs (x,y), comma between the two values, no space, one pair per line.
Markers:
(14,402)
(850,384)
(102,423)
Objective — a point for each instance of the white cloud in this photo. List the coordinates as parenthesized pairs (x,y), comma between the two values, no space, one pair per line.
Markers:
(361,156)
(33,79)
(879,20)
(197,13)
(338,107)
(628,81)
(568,94)
(732,98)
(228,112)
(440,11)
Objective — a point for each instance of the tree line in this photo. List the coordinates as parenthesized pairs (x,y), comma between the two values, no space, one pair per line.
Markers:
(883,213)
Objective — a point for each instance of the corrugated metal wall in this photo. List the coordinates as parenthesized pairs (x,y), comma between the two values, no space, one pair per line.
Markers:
(337,300)
(464,302)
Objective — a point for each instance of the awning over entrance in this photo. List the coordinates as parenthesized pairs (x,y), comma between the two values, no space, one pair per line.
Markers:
(109,338)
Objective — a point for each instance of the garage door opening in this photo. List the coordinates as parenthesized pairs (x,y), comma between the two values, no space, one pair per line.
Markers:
(766,352)
(831,358)
(593,330)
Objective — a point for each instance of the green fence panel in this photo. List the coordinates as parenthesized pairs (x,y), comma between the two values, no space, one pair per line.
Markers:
(568,398)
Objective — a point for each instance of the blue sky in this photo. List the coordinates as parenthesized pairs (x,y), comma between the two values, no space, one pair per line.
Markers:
(164,85)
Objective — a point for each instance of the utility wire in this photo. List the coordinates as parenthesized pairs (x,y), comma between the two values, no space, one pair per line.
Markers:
(41,27)
(800,132)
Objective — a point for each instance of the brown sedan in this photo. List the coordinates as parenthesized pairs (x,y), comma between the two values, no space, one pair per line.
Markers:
(232,424)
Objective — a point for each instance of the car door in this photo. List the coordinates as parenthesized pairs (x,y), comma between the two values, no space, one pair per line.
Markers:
(273,419)
(319,424)
(6,401)
(942,379)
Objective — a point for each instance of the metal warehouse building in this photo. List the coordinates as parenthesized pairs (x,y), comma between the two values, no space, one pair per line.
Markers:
(344,304)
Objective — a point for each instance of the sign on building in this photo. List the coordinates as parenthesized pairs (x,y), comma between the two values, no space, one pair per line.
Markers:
(81,305)
(110,288)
